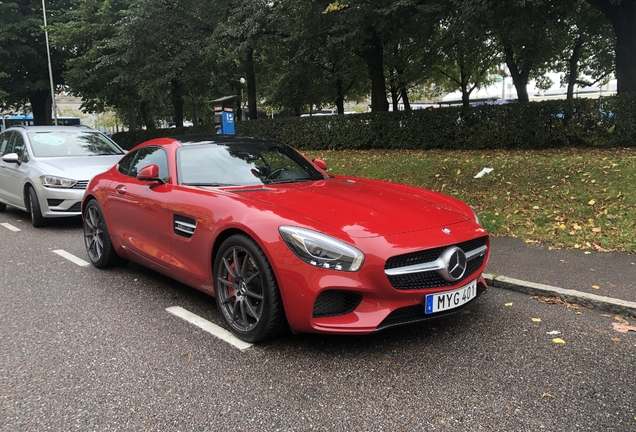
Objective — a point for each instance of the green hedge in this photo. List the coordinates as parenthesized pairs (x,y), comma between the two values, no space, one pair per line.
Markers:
(603,122)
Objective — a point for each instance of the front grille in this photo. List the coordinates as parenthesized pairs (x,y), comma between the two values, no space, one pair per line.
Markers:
(432,279)
(335,302)
(81,184)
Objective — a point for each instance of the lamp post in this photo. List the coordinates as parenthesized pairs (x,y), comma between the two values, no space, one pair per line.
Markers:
(242,81)
(48,55)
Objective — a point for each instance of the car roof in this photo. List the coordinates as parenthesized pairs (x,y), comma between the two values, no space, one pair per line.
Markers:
(218,139)
(52,128)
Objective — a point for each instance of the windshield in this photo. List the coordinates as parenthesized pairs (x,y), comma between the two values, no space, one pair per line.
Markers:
(72,143)
(242,164)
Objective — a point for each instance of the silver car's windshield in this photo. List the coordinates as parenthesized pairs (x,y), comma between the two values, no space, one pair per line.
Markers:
(242,164)
(72,143)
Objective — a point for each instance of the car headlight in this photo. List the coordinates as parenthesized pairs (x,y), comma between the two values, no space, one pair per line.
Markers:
(476,217)
(57,182)
(321,250)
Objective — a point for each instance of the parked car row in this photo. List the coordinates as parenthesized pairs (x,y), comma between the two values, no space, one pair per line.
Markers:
(275,239)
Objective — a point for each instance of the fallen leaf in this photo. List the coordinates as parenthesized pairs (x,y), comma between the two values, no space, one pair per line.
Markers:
(546,395)
(508,304)
(558,341)
(621,320)
(591,202)
(578,313)
(595,286)
(536,319)
(623,328)
(615,339)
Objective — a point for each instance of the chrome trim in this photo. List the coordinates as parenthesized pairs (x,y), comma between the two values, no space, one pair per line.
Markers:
(438,264)
(184,227)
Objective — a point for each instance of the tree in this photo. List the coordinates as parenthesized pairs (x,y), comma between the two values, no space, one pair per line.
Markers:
(308,67)
(24,75)
(370,30)
(622,15)
(590,48)
(467,53)
(94,71)
(530,34)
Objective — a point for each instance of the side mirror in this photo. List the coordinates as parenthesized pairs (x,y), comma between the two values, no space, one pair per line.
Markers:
(11,158)
(320,164)
(150,173)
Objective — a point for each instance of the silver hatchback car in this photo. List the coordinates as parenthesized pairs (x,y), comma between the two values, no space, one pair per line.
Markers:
(45,169)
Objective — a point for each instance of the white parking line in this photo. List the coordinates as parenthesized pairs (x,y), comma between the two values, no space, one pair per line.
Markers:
(72,258)
(10,227)
(206,325)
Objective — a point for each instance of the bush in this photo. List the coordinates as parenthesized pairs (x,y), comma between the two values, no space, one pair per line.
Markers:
(603,122)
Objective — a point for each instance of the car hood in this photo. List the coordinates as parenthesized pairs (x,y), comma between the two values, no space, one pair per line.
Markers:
(362,208)
(78,167)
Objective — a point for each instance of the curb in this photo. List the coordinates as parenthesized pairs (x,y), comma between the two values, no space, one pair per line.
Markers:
(591,301)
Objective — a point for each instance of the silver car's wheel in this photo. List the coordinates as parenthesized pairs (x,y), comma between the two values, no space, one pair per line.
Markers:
(37,219)
(246,290)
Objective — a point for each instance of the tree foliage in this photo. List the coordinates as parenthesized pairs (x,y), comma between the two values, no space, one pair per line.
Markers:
(151,60)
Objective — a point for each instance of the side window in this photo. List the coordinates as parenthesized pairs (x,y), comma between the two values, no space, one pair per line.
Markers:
(19,148)
(133,162)
(149,156)
(126,163)
(5,139)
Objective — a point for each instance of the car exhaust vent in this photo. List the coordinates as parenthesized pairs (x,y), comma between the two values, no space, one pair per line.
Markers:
(334,303)
(184,226)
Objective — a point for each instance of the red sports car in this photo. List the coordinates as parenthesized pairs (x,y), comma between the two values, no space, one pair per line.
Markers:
(279,242)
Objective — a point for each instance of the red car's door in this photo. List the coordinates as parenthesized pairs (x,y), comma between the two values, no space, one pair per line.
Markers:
(138,210)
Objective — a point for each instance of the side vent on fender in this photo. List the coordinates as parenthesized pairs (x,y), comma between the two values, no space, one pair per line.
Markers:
(184,226)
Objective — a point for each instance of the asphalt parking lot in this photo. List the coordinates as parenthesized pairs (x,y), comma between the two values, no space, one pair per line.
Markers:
(88,349)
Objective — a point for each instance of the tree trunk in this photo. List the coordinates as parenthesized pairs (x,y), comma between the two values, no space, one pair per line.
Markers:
(132,118)
(373,56)
(250,76)
(622,15)
(465,95)
(395,99)
(146,115)
(340,97)
(177,103)
(405,99)
(519,78)
(573,73)
(40,105)
(193,112)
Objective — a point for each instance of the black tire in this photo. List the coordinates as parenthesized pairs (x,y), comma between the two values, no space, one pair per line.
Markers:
(37,219)
(246,291)
(97,239)
(3,207)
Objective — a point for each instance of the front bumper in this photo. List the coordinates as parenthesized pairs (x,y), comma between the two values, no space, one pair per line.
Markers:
(56,203)
(328,301)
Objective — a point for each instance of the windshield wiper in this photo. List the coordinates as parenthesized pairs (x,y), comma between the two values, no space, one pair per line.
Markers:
(275,181)
(208,184)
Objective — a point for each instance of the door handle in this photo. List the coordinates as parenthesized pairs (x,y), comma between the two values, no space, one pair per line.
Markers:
(121,189)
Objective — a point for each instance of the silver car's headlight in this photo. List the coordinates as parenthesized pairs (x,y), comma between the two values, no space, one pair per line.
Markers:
(57,182)
(321,250)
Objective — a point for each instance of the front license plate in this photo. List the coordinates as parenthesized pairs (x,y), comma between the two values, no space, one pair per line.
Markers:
(450,299)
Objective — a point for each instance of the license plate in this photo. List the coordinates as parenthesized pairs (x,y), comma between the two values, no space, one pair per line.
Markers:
(450,299)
